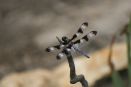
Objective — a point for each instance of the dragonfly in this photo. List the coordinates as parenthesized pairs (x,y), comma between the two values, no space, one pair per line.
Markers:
(68,44)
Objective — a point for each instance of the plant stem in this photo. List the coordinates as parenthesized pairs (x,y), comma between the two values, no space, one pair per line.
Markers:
(128,36)
(73,77)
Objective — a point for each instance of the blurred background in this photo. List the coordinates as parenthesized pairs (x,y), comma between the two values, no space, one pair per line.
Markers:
(27,27)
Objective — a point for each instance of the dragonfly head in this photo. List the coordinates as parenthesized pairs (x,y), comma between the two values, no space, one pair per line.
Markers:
(65,39)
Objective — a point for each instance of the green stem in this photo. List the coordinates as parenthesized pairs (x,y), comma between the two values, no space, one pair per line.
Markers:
(117,80)
(129,54)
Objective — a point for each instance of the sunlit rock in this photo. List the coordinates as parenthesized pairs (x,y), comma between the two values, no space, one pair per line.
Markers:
(33,78)
(94,68)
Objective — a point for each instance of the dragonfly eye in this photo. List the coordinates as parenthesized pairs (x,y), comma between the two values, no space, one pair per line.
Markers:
(65,39)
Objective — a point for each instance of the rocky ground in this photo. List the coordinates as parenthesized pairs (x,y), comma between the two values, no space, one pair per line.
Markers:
(94,69)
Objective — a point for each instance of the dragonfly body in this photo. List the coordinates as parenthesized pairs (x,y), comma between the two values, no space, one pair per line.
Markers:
(66,44)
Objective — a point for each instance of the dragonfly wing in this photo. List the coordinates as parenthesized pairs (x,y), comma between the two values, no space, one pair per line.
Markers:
(81,52)
(60,55)
(79,41)
(86,37)
(89,35)
(52,48)
(80,30)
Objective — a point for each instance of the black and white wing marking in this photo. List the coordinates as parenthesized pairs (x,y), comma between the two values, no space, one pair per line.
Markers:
(86,37)
(80,30)
(58,47)
(81,52)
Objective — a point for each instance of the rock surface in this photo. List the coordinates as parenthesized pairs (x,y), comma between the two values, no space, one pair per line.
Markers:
(34,78)
(94,68)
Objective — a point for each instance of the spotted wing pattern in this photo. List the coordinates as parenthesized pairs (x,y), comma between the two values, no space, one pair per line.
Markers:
(50,49)
(68,48)
(86,37)
(80,30)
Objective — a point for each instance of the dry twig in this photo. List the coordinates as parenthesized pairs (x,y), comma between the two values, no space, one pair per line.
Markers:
(73,77)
